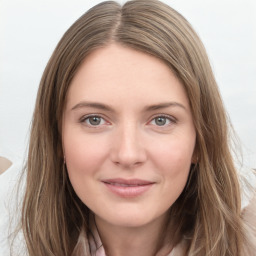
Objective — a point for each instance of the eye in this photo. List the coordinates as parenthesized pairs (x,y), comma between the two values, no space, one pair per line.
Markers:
(93,120)
(162,121)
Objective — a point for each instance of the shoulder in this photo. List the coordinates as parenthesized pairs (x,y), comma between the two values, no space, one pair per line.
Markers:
(8,201)
(249,194)
(249,218)
(249,213)
(179,249)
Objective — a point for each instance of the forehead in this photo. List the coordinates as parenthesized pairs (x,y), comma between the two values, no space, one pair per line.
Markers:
(119,74)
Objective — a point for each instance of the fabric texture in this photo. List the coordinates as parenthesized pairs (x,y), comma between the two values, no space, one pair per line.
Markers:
(8,204)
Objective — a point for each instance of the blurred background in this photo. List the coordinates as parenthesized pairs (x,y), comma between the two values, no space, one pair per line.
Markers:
(30,30)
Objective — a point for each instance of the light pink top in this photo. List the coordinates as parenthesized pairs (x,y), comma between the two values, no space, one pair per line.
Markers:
(97,248)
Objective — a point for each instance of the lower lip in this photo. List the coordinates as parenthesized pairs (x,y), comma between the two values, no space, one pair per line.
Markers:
(128,191)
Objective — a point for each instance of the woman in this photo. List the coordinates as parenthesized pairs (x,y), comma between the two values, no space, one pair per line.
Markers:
(129,149)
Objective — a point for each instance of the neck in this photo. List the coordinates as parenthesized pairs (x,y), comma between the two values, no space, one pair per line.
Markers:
(147,240)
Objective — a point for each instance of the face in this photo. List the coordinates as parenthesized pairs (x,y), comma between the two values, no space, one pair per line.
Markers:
(128,136)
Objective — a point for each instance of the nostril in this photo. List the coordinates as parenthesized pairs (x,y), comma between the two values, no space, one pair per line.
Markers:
(127,165)
(128,150)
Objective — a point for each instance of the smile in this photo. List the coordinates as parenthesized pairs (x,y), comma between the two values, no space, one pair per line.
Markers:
(128,188)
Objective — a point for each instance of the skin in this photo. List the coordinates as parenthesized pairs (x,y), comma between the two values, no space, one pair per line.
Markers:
(128,142)
(4,164)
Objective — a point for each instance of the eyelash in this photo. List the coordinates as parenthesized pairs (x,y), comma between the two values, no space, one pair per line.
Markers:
(84,118)
(171,119)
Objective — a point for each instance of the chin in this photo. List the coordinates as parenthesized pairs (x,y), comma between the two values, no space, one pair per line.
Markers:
(132,222)
(130,218)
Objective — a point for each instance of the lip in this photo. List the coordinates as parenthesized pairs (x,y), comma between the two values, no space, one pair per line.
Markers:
(128,188)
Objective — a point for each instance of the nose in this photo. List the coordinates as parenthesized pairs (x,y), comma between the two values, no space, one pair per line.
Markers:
(128,150)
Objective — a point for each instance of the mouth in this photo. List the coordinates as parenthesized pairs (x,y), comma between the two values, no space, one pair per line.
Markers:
(128,188)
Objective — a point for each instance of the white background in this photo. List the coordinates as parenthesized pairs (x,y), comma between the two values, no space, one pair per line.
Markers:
(30,30)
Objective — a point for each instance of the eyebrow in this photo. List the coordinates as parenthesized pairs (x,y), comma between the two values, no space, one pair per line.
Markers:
(101,106)
(86,104)
(164,105)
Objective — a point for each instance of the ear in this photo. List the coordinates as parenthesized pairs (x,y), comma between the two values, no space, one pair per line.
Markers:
(195,158)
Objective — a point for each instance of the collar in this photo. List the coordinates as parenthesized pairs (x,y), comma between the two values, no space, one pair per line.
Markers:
(95,243)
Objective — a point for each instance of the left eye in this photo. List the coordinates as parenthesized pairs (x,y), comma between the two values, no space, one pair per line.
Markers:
(161,121)
(94,120)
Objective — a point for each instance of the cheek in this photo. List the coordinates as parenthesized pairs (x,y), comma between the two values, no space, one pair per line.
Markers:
(173,161)
(79,158)
(82,153)
(174,156)
(84,158)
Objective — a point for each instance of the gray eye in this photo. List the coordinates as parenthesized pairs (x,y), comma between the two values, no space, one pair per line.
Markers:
(94,120)
(160,121)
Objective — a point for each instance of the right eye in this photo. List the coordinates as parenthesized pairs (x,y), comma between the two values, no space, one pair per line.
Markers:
(94,121)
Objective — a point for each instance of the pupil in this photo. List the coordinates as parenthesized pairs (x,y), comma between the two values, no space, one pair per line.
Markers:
(94,120)
(160,121)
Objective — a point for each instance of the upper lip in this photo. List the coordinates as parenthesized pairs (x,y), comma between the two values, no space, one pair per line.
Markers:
(138,182)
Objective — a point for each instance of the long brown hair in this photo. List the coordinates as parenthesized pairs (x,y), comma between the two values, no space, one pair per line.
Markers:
(208,212)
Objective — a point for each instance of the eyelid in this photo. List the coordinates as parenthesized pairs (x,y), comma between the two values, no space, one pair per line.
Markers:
(83,119)
(171,118)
